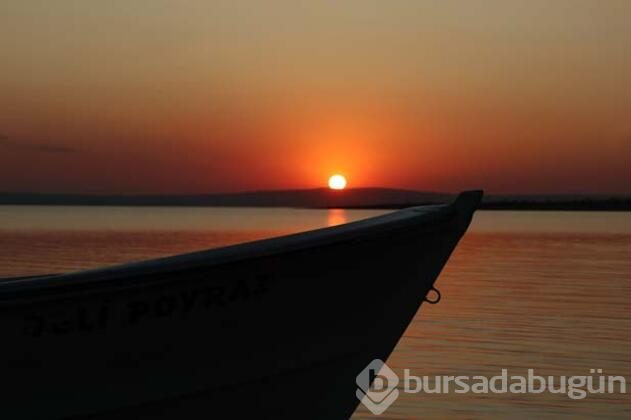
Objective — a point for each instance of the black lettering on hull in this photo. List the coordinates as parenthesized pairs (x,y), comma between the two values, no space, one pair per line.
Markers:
(178,304)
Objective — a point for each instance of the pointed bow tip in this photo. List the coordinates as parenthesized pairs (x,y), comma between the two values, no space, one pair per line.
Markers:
(469,199)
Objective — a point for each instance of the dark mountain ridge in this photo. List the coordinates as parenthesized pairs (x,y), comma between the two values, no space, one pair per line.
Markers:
(325,198)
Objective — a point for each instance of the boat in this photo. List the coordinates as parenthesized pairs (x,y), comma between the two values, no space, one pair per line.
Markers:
(277,328)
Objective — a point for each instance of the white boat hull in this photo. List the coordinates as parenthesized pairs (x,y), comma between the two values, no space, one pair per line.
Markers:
(273,329)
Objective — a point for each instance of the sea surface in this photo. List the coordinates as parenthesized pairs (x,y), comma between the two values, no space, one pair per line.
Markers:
(549,291)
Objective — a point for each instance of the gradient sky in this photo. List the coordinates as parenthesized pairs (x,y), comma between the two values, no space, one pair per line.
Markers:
(151,96)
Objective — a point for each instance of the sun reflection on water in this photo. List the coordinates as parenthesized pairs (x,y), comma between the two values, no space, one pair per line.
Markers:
(336,217)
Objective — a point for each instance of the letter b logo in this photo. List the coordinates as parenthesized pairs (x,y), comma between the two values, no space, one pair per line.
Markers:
(378,397)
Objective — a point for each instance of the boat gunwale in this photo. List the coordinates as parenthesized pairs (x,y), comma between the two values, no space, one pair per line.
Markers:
(358,230)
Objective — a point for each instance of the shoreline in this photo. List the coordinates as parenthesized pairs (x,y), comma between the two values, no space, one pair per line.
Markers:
(601,207)
(372,198)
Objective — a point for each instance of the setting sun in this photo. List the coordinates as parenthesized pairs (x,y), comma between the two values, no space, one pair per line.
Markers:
(337,182)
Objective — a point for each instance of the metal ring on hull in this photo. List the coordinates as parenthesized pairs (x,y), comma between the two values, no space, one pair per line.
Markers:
(433,301)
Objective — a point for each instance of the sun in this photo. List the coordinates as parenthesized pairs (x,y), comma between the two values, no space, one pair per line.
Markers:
(337,182)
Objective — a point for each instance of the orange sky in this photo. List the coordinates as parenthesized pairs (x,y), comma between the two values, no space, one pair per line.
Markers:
(196,96)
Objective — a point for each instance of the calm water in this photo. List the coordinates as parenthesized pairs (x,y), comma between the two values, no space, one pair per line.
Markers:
(544,290)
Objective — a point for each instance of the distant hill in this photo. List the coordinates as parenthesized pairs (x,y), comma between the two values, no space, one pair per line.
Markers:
(384,198)
(313,198)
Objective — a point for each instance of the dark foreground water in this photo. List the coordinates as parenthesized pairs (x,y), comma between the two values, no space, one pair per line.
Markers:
(550,291)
